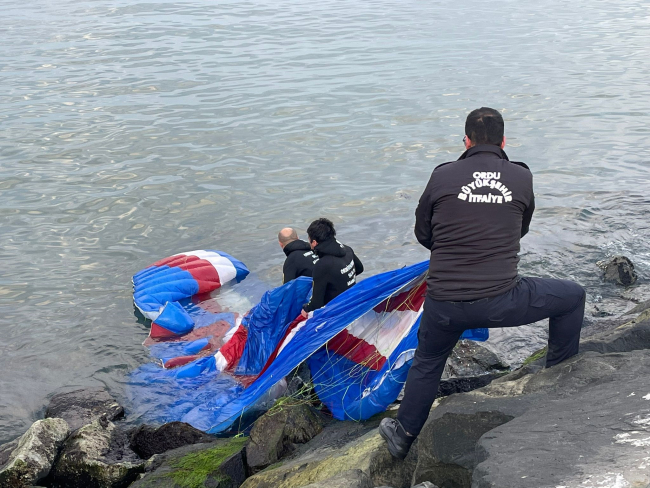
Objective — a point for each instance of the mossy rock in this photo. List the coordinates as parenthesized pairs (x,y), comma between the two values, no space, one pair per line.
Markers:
(535,356)
(221,464)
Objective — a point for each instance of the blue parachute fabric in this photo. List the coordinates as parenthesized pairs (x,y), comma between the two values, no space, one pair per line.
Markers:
(151,298)
(173,317)
(479,335)
(164,350)
(313,333)
(267,323)
(160,396)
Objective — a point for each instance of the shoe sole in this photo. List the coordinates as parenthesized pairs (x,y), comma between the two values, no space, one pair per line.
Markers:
(391,447)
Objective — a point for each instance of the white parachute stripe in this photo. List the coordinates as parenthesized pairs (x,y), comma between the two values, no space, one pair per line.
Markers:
(221,361)
(384,330)
(292,334)
(223,265)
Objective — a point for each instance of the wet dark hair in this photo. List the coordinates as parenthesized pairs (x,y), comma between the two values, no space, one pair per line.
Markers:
(484,126)
(321,230)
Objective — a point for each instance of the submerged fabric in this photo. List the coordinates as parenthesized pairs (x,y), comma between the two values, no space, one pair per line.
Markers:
(360,347)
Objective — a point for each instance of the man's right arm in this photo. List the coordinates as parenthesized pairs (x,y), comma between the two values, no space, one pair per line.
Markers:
(423,215)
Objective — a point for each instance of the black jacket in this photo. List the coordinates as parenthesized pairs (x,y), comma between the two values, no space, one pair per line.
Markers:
(334,272)
(471,216)
(300,260)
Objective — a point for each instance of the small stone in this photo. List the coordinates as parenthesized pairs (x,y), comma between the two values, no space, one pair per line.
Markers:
(619,270)
(35,451)
(81,407)
(148,440)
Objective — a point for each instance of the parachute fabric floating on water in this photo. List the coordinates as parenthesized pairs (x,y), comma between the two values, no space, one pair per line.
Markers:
(158,287)
(359,349)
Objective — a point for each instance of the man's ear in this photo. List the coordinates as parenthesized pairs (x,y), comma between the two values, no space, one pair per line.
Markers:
(468,143)
(503,142)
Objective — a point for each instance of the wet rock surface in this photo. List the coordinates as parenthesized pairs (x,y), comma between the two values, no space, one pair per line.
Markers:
(96,455)
(81,407)
(219,464)
(596,436)
(470,359)
(338,449)
(355,478)
(147,440)
(586,420)
(30,458)
(619,270)
(274,434)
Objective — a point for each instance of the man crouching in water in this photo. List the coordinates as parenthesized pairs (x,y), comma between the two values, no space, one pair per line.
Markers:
(471,217)
(336,269)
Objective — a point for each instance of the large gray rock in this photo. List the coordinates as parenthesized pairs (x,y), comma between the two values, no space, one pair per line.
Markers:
(630,336)
(81,407)
(338,449)
(219,464)
(515,403)
(33,454)
(596,436)
(97,455)
(148,440)
(619,270)
(274,434)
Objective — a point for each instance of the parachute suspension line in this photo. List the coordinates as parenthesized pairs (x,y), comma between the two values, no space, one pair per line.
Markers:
(360,371)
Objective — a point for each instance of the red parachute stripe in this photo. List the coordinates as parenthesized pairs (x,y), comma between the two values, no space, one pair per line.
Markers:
(409,300)
(180,361)
(234,348)
(158,332)
(173,261)
(357,350)
(204,274)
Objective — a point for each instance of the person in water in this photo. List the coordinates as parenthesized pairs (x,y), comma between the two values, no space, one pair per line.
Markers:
(300,258)
(336,269)
(471,217)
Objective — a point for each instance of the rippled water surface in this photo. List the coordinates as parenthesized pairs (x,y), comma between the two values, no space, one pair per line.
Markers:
(134,130)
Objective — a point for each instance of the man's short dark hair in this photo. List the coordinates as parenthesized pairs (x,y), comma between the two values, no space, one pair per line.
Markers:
(484,126)
(321,230)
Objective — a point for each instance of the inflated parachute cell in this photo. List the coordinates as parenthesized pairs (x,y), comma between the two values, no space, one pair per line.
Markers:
(177,277)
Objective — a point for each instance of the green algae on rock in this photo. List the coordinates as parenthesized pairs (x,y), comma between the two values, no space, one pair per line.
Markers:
(219,465)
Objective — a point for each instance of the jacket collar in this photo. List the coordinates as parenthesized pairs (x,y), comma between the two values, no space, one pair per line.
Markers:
(297,245)
(483,148)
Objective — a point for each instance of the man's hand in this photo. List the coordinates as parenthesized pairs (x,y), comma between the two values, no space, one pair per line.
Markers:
(303,313)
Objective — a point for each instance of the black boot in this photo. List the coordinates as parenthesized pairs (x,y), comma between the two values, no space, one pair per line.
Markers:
(399,442)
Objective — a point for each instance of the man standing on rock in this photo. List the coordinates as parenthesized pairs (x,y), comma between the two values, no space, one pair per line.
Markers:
(471,217)
(300,258)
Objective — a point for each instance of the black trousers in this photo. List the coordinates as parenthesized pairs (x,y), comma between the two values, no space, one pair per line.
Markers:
(443,323)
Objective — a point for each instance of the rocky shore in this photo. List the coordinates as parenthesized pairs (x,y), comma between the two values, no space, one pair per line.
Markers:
(583,423)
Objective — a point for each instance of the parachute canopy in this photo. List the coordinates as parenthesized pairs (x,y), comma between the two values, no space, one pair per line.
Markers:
(359,349)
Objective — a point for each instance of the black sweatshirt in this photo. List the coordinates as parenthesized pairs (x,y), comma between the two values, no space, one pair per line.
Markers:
(471,216)
(334,272)
(300,260)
